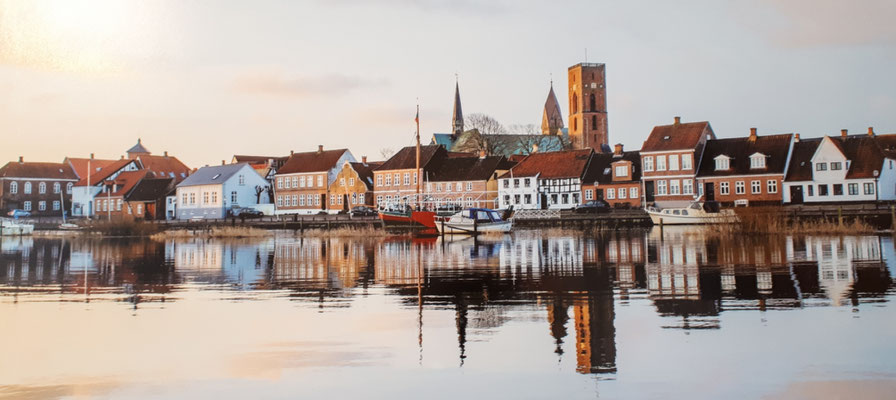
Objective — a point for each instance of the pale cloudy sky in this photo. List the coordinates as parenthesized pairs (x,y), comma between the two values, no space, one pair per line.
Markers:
(207,79)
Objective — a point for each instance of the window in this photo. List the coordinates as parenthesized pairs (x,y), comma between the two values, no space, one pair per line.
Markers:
(633,192)
(68,188)
(755,187)
(302,182)
(214,197)
(686,162)
(687,186)
(838,189)
(42,188)
(204,197)
(379,199)
(342,182)
(415,178)
(611,193)
(388,180)
(724,189)
(192,198)
(396,179)
(354,198)
(448,187)
(506,183)
(301,200)
(527,198)
(722,163)
(184,200)
(233,197)
(516,183)
(673,162)
(242,180)
(57,188)
(379,180)
(279,201)
(317,199)
(565,198)
(333,199)
(869,188)
(621,193)
(674,187)
(822,190)
(853,189)
(621,170)
(526,183)
(55,205)
(821,167)
(772,186)
(836,166)
(810,189)
(660,163)
(589,194)
(648,164)
(661,187)
(351,182)
(739,187)
(42,205)
(757,161)
(279,183)
(27,187)
(320,181)
(506,199)
(295,182)
(13,187)
(516,199)
(470,185)
(407,178)
(27,206)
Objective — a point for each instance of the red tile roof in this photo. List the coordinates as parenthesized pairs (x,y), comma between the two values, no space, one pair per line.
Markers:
(126,181)
(164,166)
(105,172)
(80,165)
(681,136)
(774,147)
(43,170)
(312,161)
(556,164)
(865,153)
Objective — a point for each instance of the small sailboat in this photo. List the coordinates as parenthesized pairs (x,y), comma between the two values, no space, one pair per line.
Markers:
(473,221)
(694,214)
(66,226)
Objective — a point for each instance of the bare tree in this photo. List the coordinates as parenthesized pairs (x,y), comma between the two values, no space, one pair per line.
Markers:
(485,124)
(524,129)
(387,153)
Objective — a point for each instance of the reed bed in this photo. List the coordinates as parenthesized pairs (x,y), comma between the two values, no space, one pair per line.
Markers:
(772,220)
(123,228)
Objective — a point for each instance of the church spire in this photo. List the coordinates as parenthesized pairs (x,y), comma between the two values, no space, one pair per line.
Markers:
(552,118)
(457,117)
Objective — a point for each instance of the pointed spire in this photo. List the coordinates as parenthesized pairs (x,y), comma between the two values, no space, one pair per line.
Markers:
(457,117)
(552,118)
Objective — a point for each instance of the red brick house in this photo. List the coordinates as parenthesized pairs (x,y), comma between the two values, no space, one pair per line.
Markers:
(302,185)
(111,203)
(614,177)
(42,188)
(669,160)
(353,185)
(466,181)
(397,179)
(745,170)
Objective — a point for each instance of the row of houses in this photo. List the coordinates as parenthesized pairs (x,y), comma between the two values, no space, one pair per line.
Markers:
(677,164)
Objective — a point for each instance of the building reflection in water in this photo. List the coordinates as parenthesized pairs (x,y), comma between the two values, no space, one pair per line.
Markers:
(575,281)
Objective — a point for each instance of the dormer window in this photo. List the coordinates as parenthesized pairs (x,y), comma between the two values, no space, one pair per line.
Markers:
(621,170)
(723,163)
(757,160)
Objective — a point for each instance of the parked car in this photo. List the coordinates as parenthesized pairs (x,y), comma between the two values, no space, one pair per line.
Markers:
(593,207)
(361,211)
(19,213)
(247,213)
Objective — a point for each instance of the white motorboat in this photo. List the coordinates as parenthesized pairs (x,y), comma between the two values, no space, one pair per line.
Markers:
(473,221)
(693,214)
(11,227)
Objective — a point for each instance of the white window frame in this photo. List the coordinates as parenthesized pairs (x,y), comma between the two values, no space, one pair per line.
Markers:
(757,161)
(755,187)
(611,193)
(673,162)
(687,186)
(661,163)
(772,186)
(674,187)
(633,192)
(648,163)
(661,188)
(686,163)
(724,188)
(740,187)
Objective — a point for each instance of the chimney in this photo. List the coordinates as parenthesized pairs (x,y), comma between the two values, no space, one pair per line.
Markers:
(291,152)
(753,134)
(223,163)
(122,157)
(320,148)
(677,121)
(21,159)
(166,153)
(364,160)
(796,137)
(535,148)
(617,150)
(870,131)
(91,156)
(481,154)
(843,133)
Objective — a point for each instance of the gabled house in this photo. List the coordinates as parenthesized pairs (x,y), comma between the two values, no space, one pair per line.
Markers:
(266,166)
(545,181)
(468,181)
(111,203)
(92,185)
(303,182)
(353,185)
(147,200)
(42,188)
(844,168)
(396,180)
(614,177)
(213,192)
(745,170)
(669,160)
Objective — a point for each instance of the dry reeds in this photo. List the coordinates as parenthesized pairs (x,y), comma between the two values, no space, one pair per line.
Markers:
(773,220)
(345,232)
(222,232)
(123,228)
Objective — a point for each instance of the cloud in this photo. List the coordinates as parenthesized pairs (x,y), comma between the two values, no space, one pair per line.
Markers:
(279,84)
(467,6)
(806,23)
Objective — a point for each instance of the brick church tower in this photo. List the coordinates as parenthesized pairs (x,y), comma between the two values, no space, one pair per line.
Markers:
(588,107)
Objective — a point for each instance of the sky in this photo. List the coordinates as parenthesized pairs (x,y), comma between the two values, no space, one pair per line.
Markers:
(205,80)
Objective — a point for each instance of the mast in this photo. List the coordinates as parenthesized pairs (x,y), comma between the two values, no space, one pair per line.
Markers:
(417,120)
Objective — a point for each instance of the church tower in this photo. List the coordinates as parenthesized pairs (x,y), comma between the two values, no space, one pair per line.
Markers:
(457,118)
(552,119)
(588,107)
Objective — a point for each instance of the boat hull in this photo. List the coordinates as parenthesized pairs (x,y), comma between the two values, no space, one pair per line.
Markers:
(449,228)
(420,219)
(660,218)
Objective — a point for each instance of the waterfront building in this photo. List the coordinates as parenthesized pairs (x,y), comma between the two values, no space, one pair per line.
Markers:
(614,177)
(669,160)
(466,181)
(212,192)
(92,185)
(353,185)
(745,170)
(396,180)
(113,204)
(41,188)
(845,168)
(545,181)
(303,182)
(266,166)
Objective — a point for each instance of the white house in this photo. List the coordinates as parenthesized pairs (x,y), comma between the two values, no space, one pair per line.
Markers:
(545,181)
(839,169)
(91,185)
(211,192)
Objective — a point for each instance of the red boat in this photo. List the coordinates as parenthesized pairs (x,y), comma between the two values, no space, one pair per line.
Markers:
(409,218)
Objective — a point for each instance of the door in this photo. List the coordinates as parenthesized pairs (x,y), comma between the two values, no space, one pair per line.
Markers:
(796,194)
(323,201)
(544,201)
(648,192)
(710,191)
(345,202)
(600,194)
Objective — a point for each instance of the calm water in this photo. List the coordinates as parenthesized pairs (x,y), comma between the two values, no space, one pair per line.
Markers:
(558,315)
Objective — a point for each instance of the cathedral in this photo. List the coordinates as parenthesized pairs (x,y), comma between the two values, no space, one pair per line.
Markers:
(587,119)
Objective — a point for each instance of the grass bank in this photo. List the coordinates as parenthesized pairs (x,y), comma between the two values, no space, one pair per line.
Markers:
(122,228)
(773,220)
